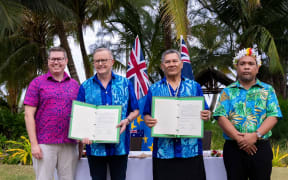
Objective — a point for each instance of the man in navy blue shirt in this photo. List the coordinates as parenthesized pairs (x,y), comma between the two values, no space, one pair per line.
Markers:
(107,88)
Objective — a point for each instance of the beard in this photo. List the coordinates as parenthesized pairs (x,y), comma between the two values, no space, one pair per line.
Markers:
(246,78)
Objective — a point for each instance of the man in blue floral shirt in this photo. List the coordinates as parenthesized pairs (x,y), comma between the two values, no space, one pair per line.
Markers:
(247,111)
(175,158)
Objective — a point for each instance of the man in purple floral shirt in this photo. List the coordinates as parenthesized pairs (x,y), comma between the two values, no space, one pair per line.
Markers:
(48,104)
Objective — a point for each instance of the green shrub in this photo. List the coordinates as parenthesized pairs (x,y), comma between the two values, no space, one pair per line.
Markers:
(217,140)
(280,130)
(12,126)
(278,157)
(3,138)
(21,153)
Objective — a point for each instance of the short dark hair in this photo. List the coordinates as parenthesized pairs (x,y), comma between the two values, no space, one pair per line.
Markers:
(57,49)
(170,51)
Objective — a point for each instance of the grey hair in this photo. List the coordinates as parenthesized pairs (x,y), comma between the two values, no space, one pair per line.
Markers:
(170,51)
(103,49)
(57,49)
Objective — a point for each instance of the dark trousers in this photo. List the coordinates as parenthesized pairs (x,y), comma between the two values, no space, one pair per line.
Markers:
(117,166)
(241,166)
(179,168)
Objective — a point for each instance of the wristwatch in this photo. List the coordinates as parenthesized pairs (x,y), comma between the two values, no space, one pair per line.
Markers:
(259,135)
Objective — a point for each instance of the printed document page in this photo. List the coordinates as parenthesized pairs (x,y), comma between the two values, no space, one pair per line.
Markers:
(177,116)
(189,122)
(98,123)
(166,114)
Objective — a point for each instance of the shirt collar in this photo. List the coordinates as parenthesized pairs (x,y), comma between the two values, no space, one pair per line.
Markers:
(163,80)
(238,85)
(112,73)
(49,76)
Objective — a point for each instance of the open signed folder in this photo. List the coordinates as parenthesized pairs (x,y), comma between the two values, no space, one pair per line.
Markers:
(98,123)
(177,116)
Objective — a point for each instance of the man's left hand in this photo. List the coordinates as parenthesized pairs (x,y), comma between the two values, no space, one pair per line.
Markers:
(249,139)
(205,115)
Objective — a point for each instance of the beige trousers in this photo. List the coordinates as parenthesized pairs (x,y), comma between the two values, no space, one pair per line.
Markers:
(63,157)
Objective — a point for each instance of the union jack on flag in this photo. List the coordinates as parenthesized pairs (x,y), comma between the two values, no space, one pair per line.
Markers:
(137,71)
(137,74)
(187,68)
(184,51)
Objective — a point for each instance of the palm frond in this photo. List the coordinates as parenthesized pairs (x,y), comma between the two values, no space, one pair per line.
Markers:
(11,16)
(262,37)
(175,11)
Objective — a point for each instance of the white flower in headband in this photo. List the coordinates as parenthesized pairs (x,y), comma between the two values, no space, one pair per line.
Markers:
(248,52)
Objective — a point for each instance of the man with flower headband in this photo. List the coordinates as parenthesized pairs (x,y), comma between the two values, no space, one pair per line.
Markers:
(247,110)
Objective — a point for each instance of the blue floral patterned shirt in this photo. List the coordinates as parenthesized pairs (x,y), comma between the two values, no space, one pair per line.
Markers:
(247,109)
(168,148)
(119,91)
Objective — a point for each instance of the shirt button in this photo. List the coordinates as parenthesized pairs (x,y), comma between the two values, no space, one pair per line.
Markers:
(107,104)
(106,92)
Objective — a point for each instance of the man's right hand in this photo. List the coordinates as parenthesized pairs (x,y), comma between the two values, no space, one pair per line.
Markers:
(36,151)
(149,121)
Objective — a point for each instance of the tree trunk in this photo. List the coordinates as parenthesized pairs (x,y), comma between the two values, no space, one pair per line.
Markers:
(44,57)
(279,84)
(64,43)
(12,98)
(87,64)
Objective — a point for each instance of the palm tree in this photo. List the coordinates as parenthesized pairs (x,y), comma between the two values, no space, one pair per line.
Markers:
(135,20)
(10,16)
(176,11)
(23,52)
(60,30)
(85,13)
(57,13)
(18,67)
(255,23)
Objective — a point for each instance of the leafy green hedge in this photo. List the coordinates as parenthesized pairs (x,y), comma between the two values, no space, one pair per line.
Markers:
(12,125)
(280,131)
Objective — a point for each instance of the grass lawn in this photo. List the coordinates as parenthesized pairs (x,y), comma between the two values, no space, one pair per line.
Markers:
(20,172)
(16,172)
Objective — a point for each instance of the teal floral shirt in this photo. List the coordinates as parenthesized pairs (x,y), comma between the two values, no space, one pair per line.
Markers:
(247,109)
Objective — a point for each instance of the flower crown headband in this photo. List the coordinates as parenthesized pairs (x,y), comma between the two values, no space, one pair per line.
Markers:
(248,52)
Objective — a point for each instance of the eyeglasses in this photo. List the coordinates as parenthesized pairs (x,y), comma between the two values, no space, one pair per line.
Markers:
(56,59)
(103,61)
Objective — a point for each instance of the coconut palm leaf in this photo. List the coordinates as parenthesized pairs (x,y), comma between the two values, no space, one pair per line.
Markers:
(176,11)
(10,16)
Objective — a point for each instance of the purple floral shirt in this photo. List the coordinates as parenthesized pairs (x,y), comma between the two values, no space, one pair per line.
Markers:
(53,100)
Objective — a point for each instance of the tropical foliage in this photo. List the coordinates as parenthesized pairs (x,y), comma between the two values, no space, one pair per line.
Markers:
(19,153)
(260,23)
(213,30)
(278,157)
(12,125)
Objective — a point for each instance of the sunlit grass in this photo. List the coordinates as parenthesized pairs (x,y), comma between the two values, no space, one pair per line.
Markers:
(16,172)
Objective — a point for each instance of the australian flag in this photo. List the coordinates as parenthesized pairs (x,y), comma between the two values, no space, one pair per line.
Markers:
(137,74)
(187,68)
